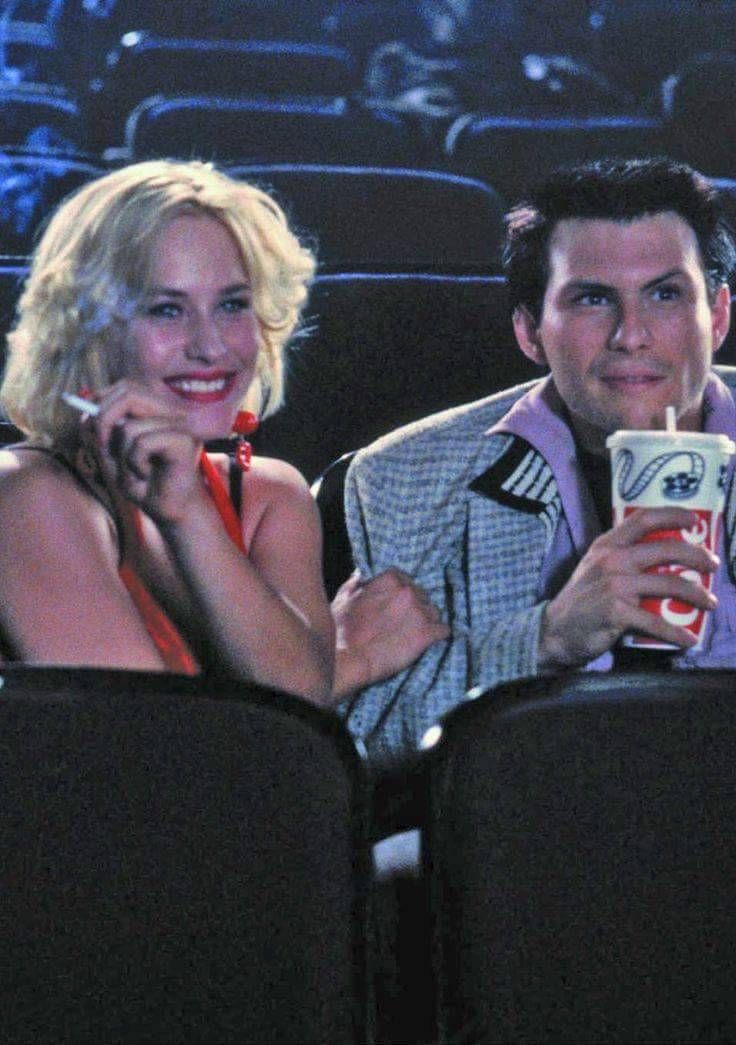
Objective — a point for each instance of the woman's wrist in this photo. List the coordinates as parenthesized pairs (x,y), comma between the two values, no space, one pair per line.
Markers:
(194,520)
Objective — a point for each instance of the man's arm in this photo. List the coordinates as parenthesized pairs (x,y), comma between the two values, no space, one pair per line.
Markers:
(498,642)
(392,717)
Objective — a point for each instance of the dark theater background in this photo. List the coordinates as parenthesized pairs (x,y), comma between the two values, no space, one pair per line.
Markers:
(173,874)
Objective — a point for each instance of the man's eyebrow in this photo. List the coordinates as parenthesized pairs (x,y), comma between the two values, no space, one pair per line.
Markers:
(588,285)
(670,274)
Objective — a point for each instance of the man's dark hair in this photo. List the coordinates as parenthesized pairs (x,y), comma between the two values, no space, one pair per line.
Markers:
(615,190)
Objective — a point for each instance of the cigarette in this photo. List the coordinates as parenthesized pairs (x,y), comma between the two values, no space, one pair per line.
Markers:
(85,406)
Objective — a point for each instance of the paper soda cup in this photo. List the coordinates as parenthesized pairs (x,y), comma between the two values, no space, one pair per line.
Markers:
(672,469)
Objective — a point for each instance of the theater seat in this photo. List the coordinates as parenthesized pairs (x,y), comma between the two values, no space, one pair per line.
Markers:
(28,51)
(328,491)
(511,151)
(369,218)
(703,85)
(384,349)
(582,857)
(183,861)
(144,65)
(38,113)
(252,128)
(32,183)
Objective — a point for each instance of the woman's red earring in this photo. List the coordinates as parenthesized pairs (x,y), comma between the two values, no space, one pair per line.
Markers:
(245,423)
(243,454)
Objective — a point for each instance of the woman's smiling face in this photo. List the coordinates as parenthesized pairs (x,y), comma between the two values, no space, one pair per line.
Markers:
(195,339)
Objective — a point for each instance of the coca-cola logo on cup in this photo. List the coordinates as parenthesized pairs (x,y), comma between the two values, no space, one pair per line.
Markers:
(704,532)
(698,534)
(682,614)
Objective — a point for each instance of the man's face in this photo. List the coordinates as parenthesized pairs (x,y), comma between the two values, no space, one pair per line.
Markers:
(626,327)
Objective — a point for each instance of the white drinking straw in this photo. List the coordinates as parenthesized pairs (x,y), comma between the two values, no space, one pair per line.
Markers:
(85,406)
(669,415)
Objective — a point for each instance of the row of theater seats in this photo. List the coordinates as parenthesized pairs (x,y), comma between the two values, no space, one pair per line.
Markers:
(189,860)
(356,217)
(279,74)
(502,148)
(300,101)
(246,100)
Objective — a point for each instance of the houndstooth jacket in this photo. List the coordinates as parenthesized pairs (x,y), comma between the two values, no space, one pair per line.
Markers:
(469,516)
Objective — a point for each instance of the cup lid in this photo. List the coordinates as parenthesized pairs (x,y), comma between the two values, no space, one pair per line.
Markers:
(689,440)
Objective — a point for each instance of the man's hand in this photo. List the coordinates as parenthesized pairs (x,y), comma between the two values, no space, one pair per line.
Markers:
(601,600)
(382,625)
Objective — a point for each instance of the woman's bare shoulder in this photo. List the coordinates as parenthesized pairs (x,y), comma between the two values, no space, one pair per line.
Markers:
(23,468)
(270,472)
(21,465)
(278,501)
(38,486)
(266,479)
(275,488)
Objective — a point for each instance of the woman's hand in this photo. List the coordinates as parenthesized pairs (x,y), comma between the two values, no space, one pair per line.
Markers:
(382,626)
(146,451)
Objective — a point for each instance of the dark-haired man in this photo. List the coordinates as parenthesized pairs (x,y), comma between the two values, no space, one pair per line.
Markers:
(618,276)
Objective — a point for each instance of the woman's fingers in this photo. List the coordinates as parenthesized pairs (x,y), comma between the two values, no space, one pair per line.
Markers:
(146,449)
(127,400)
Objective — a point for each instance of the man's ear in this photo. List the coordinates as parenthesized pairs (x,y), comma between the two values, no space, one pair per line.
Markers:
(721,316)
(527,335)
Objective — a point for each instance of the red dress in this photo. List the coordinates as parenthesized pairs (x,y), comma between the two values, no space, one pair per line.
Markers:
(168,640)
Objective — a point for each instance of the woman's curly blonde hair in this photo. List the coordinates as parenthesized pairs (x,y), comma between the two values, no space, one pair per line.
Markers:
(90,272)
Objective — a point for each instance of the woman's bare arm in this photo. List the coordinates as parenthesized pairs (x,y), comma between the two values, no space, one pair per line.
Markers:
(62,600)
(266,613)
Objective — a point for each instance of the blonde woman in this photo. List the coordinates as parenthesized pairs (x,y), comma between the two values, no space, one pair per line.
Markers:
(163,295)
